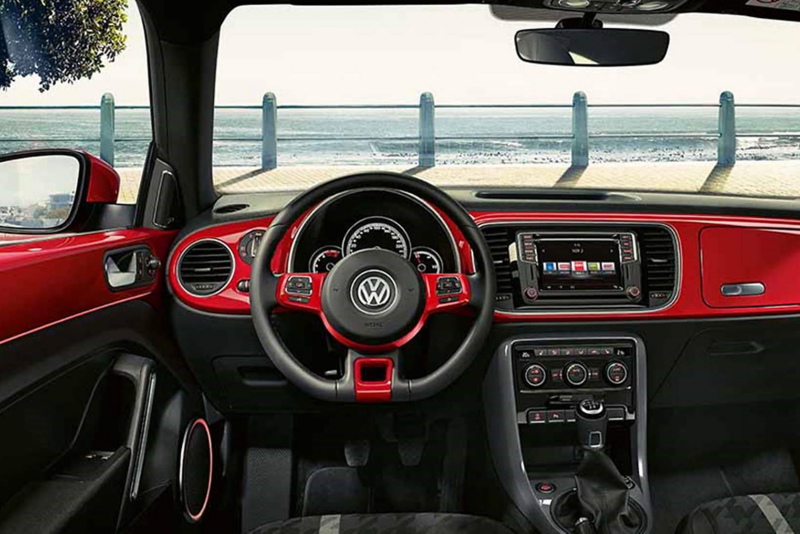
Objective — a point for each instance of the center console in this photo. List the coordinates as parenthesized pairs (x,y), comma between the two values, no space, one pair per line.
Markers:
(531,393)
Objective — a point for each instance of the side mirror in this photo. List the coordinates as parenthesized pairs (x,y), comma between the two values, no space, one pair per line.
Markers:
(41,191)
(592,47)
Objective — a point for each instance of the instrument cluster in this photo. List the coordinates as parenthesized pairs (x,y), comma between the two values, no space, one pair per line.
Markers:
(390,221)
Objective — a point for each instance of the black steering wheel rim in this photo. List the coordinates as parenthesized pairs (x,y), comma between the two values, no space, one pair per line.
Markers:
(264,286)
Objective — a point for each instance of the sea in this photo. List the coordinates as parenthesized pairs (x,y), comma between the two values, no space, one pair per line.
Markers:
(463,136)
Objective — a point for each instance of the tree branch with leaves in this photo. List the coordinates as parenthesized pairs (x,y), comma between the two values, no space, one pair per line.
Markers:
(61,41)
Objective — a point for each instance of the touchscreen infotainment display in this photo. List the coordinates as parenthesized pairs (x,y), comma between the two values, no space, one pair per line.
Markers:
(579,264)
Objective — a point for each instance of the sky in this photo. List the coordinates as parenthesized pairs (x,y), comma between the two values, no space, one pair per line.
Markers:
(462,54)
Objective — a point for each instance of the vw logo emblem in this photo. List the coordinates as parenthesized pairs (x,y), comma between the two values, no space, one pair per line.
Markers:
(373,292)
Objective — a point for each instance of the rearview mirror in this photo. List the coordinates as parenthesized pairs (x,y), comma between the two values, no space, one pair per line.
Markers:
(592,47)
(38,190)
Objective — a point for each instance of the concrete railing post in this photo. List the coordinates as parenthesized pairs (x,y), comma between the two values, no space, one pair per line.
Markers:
(726,152)
(427,132)
(580,130)
(269,132)
(107,126)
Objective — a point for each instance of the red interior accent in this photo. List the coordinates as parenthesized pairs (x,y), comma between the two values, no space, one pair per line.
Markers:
(230,300)
(51,280)
(199,515)
(750,255)
(690,302)
(373,391)
(103,182)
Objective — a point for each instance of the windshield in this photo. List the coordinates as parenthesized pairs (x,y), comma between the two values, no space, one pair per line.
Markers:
(308,93)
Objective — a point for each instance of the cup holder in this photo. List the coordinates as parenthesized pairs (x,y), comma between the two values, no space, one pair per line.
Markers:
(565,512)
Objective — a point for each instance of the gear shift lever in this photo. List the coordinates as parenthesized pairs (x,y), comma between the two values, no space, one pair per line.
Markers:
(602,490)
(592,422)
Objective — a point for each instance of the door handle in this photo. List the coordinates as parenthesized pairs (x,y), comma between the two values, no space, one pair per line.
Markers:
(130,267)
(743,290)
(121,271)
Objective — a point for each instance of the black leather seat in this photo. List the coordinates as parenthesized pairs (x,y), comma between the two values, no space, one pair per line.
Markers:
(777,513)
(386,524)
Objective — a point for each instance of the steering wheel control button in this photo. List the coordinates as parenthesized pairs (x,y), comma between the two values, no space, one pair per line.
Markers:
(616,373)
(448,285)
(545,487)
(299,285)
(537,417)
(299,300)
(374,292)
(535,375)
(576,374)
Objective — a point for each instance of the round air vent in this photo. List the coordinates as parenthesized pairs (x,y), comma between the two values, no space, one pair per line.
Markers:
(205,268)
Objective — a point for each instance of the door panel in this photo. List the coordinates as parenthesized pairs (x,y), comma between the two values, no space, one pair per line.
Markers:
(84,368)
(55,279)
(78,389)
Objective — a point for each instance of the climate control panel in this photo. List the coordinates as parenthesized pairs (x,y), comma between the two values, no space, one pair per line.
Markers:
(556,375)
(574,367)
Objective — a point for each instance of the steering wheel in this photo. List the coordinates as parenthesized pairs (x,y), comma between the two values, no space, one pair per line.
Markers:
(373,301)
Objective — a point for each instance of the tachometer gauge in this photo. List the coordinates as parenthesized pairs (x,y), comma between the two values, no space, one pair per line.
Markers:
(324,259)
(376,232)
(426,260)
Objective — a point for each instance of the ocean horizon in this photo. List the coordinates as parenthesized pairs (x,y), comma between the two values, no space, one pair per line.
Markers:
(389,137)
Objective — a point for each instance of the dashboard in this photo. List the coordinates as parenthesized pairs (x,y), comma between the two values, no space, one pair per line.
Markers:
(711,282)
(549,265)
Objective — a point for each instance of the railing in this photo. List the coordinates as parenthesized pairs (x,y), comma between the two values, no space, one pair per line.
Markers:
(580,137)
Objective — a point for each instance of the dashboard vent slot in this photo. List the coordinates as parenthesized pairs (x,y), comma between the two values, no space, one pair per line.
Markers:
(658,255)
(498,239)
(205,268)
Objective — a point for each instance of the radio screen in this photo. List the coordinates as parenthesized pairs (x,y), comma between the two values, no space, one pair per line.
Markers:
(579,264)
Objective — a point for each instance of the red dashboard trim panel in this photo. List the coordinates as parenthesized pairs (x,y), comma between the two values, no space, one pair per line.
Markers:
(689,303)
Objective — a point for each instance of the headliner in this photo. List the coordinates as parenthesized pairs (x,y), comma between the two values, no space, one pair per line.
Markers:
(190,21)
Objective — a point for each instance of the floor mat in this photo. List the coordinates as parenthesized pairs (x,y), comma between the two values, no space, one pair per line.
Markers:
(335,490)
(678,493)
(325,484)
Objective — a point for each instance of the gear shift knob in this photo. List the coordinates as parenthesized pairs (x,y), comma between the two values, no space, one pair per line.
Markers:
(592,422)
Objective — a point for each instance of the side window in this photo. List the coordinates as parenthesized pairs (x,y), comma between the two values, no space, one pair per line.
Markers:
(90,97)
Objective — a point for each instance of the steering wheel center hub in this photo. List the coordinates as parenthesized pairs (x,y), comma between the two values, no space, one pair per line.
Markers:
(374,292)
(373,297)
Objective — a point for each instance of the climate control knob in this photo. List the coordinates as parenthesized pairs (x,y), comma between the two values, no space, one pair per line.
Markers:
(576,374)
(535,375)
(616,373)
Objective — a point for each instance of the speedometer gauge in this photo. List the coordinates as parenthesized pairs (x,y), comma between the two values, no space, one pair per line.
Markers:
(376,232)
(426,260)
(324,259)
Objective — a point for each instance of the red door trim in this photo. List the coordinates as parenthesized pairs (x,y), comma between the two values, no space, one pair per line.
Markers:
(50,281)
